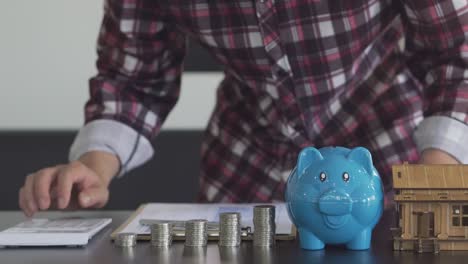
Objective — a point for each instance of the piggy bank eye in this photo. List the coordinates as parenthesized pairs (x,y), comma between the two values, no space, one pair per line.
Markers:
(345,177)
(323,176)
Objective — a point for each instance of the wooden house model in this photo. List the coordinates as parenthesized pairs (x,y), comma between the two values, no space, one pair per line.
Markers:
(432,206)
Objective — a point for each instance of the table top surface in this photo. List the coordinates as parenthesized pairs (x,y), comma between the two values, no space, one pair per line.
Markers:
(102,250)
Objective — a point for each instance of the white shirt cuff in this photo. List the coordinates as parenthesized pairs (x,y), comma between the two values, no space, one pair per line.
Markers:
(444,133)
(132,148)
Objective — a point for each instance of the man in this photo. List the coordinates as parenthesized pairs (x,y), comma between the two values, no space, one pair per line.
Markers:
(298,73)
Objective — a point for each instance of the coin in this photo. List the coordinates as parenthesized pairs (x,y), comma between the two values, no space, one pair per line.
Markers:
(230,229)
(264,225)
(126,239)
(161,234)
(196,232)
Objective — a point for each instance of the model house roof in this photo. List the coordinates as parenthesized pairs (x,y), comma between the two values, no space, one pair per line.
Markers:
(416,176)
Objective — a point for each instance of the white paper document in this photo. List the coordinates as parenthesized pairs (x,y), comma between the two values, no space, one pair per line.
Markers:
(57,232)
(183,212)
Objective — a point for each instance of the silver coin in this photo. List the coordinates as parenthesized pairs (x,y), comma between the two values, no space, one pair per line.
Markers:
(196,232)
(264,225)
(230,229)
(161,234)
(126,239)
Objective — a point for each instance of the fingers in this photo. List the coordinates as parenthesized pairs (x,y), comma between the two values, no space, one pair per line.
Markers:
(65,181)
(42,185)
(58,185)
(22,202)
(35,194)
(94,197)
(73,174)
(29,204)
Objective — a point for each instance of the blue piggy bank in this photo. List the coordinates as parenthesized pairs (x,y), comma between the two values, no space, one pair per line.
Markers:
(334,196)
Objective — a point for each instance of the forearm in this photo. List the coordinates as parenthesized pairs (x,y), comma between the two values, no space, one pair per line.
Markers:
(437,156)
(105,165)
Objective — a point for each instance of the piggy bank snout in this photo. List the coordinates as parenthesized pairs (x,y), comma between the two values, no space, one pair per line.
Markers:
(335,202)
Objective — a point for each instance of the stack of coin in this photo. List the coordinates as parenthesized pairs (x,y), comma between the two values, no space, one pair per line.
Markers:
(230,229)
(196,233)
(264,225)
(161,234)
(126,239)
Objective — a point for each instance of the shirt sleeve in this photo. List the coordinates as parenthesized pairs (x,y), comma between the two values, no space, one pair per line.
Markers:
(132,148)
(140,58)
(437,45)
(444,133)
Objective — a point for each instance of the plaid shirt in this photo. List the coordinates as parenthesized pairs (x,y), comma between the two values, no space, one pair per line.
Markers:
(297,73)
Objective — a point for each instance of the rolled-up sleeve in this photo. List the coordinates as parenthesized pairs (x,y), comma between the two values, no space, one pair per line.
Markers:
(116,138)
(444,133)
(437,42)
(140,57)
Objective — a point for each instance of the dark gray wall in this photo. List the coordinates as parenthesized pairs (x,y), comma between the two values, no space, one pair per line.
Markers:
(171,176)
(198,59)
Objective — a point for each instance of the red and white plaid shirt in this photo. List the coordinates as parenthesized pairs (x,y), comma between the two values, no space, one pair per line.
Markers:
(297,73)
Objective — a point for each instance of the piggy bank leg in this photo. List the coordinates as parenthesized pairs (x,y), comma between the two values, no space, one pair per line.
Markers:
(361,241)
(309,241)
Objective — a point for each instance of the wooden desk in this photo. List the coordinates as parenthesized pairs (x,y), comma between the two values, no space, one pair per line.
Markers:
(102,250)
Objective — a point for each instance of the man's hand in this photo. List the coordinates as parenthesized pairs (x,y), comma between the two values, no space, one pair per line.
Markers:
(79,184)
(436,156)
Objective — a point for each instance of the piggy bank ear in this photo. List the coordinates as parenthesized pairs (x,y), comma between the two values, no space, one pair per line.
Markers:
(362,156)
(307,157)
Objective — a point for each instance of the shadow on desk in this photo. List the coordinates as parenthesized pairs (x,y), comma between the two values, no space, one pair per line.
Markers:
(171,176)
